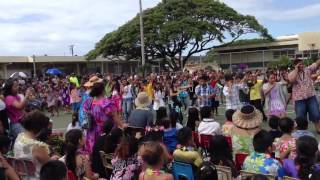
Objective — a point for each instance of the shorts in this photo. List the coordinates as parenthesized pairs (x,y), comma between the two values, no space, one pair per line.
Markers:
(308,106)
(214,103)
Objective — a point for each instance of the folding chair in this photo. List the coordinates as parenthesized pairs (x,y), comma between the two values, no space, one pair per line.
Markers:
(30,167)
(229,139)
(106,160)
(224,172)
(182,171)
(71,175)
(11,161)
(196,140)
(245,174)
(205,142)
(290,178)
(25,168)
(239,159)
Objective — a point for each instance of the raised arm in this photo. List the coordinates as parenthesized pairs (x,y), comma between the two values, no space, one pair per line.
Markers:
(226,91)
(19,104)
(293,75)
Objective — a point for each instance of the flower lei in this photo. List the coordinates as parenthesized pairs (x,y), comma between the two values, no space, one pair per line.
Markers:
(151,172)
(154,129)
(184,148)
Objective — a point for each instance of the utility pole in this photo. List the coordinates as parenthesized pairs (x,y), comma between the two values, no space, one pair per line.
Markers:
(143,60)
(71,49)
(34,66)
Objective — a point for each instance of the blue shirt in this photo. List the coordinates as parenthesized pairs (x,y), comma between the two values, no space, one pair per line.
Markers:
(170,139)
(204,92)
(300,133)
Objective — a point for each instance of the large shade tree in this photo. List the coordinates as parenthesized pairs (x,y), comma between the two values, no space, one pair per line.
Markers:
(177,29)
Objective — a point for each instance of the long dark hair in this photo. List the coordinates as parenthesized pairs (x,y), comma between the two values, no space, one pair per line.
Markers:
(172,84)
(75,119)
(97,89)
(116,86)
(127,147)
(307,148)
(7,89)
(220,150)
(112,140)
(193,116)
(71,147)
(161,113)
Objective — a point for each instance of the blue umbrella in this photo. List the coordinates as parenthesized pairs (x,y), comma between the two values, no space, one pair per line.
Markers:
(54,71)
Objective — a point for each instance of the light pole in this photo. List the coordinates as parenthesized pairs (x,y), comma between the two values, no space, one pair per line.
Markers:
(143,60)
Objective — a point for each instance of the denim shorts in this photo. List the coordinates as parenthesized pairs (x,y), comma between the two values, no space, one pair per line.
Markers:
(310,106)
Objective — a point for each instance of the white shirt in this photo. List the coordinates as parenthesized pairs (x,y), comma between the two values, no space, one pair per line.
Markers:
(178,126)
(232,96)
(2,105)
(127,92)
(77,126)
(158,100)
(209,127)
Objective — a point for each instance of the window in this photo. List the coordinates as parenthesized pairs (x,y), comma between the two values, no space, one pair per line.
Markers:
(276,54)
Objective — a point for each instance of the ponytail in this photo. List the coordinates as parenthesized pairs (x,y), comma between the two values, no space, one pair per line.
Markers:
(71,150)
(72,139)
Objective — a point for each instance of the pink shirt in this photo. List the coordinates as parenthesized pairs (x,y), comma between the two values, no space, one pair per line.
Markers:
(303,88)
(14,114)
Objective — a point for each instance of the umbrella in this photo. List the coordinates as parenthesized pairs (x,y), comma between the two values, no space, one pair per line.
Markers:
(19,74)
(54,71)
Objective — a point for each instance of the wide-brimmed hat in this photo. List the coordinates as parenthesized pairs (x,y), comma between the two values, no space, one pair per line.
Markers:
(92,81)
(248,117)
(143,100)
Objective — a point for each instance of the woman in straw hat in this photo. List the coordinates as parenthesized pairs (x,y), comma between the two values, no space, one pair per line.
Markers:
(88,85)
(142,115)
(247,123)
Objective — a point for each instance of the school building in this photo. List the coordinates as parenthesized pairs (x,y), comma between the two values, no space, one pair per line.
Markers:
(67,64)
(256,55)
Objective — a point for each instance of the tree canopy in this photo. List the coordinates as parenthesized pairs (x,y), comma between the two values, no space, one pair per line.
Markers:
(177,29)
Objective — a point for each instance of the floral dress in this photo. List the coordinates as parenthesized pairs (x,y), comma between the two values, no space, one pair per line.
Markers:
(101,111)
(116,98)
(276,106)
(241,144)
(283,145)
(263,163)
(226,128)
(125,169)
(65,96)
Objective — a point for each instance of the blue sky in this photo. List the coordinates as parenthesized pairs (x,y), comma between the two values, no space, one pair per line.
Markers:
(49,26)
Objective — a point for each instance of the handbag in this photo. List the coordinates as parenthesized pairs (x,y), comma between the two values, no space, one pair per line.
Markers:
(89,119)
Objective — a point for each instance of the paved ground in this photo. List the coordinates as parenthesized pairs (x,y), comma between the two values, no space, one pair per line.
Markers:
(61,122)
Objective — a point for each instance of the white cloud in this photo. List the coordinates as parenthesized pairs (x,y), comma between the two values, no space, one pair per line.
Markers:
(49,26)
(269,10)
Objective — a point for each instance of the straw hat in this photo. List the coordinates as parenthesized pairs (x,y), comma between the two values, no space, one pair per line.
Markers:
(92,81)
(143,100)
(248,117)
